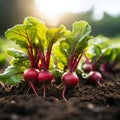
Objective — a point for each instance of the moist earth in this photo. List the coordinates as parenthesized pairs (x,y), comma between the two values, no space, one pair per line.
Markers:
(84,102)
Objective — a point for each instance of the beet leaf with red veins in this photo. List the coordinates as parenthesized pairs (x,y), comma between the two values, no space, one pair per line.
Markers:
(73,48)
(25,36)
(44,50)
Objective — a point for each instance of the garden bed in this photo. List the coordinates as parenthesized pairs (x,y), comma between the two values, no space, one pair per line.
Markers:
(85,102)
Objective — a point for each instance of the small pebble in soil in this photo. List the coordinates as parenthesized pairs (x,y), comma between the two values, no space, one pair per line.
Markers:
(94,108)
(13,101)
(14,117)
(90,106)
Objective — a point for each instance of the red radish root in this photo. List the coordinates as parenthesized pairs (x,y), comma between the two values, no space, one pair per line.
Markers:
(87,67)
(45,77)
(69,79)
(95,77)
(30,75)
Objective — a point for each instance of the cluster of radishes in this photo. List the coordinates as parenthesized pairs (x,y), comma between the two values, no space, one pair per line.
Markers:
(32,75)
(94,76)
(37,40)
(76,41)
(39,44)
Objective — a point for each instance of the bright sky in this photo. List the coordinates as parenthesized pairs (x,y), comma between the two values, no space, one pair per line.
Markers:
(53,9)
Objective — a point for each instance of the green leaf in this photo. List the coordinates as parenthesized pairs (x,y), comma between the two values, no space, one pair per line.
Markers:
(81,30)
(55,34)
(20,58)
(17,34)
(113,55)
(59,59)
(22,35)
(40,40)
(23,63)
(101,41)
(12,75)
(16,53)
(32,32)
(101,45)
(77,40)
(82,45)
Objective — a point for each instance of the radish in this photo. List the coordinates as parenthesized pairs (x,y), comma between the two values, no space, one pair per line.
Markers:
(73,48)
(52,35)
(45,77)
(30,75)
(95,77)
(87,67)
(105,68)
(69,79)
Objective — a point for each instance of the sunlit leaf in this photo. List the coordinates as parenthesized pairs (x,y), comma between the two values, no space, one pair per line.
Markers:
(16,53)
(12,75)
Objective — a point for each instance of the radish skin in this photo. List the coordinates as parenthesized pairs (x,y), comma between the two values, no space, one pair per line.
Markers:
(70,80)
(95,77)
(45,77)
(87,67)
(30,75)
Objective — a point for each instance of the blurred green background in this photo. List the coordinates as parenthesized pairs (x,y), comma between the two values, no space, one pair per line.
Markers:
(13,12)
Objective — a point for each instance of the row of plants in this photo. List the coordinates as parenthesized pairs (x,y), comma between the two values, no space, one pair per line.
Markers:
(51,53)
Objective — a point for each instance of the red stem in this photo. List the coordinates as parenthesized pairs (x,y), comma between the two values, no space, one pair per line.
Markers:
(70,62)
(32,86)
(37,59)
(42,57)
(76,62)
(36,62)
(63,93)
(31,52)
(48,54)
(44,91)
(48,59)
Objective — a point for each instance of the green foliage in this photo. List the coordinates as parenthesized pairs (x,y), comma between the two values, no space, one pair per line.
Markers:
(56,49)
(12,75)
(103,50)
(96,47)
(20,58)
(76,40)
(34,38)
(68,52)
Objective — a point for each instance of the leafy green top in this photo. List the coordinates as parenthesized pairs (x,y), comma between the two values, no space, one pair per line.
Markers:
(74,44)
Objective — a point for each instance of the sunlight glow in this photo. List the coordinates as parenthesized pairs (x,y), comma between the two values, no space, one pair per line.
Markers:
(53,10)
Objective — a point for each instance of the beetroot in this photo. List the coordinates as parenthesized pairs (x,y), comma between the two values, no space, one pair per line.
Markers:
(30,75)
(95,77)
(69,79)
(45,77)
(87,67)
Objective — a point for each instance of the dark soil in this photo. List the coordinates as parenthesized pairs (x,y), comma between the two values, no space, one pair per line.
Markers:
(85,102)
